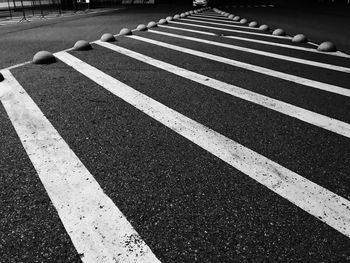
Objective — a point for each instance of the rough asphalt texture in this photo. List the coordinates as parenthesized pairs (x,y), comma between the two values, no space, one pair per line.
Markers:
(187,205)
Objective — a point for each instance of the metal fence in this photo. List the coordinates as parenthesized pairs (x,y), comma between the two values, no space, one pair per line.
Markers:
(9,8)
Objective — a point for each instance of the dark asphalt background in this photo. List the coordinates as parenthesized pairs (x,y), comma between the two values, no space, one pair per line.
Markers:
(186,204)
(318,24)
(19,43)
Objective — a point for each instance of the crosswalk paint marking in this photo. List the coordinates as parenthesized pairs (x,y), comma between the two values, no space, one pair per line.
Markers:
(258,52)
(210,15)
(337,53)
(98,229)
(323,204)
(331,124)
(219,24)
(213,16)
(220,20)
(269,72)
(188,30)
(211,12)
(229,30)
(258,41)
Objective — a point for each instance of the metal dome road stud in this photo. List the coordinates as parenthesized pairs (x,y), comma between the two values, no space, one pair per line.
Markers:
(43,57)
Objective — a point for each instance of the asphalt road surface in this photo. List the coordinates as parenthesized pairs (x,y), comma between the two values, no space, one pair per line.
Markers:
(201,140)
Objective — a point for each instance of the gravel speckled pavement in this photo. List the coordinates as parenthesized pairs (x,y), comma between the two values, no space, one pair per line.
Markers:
(216,143)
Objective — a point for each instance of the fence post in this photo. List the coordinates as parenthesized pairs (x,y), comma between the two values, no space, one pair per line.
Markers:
(23,13)
(8,4)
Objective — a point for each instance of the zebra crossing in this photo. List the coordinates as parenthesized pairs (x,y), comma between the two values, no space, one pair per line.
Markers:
(165,76)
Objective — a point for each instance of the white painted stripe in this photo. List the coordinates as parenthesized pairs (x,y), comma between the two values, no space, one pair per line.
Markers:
(210,13)
(310,117)
(212,16)
(98,229)
(261,70)
(339,54)
(229,30)
(259,41)
(219,24)
(188,30)
(325,205)
(258,52)
(19,65)
(221,20)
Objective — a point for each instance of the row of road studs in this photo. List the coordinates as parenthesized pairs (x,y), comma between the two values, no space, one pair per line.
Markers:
(45,57)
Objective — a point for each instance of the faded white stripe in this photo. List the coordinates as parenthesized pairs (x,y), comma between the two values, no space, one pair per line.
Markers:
(269,72)
(325,205)
(98,229)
